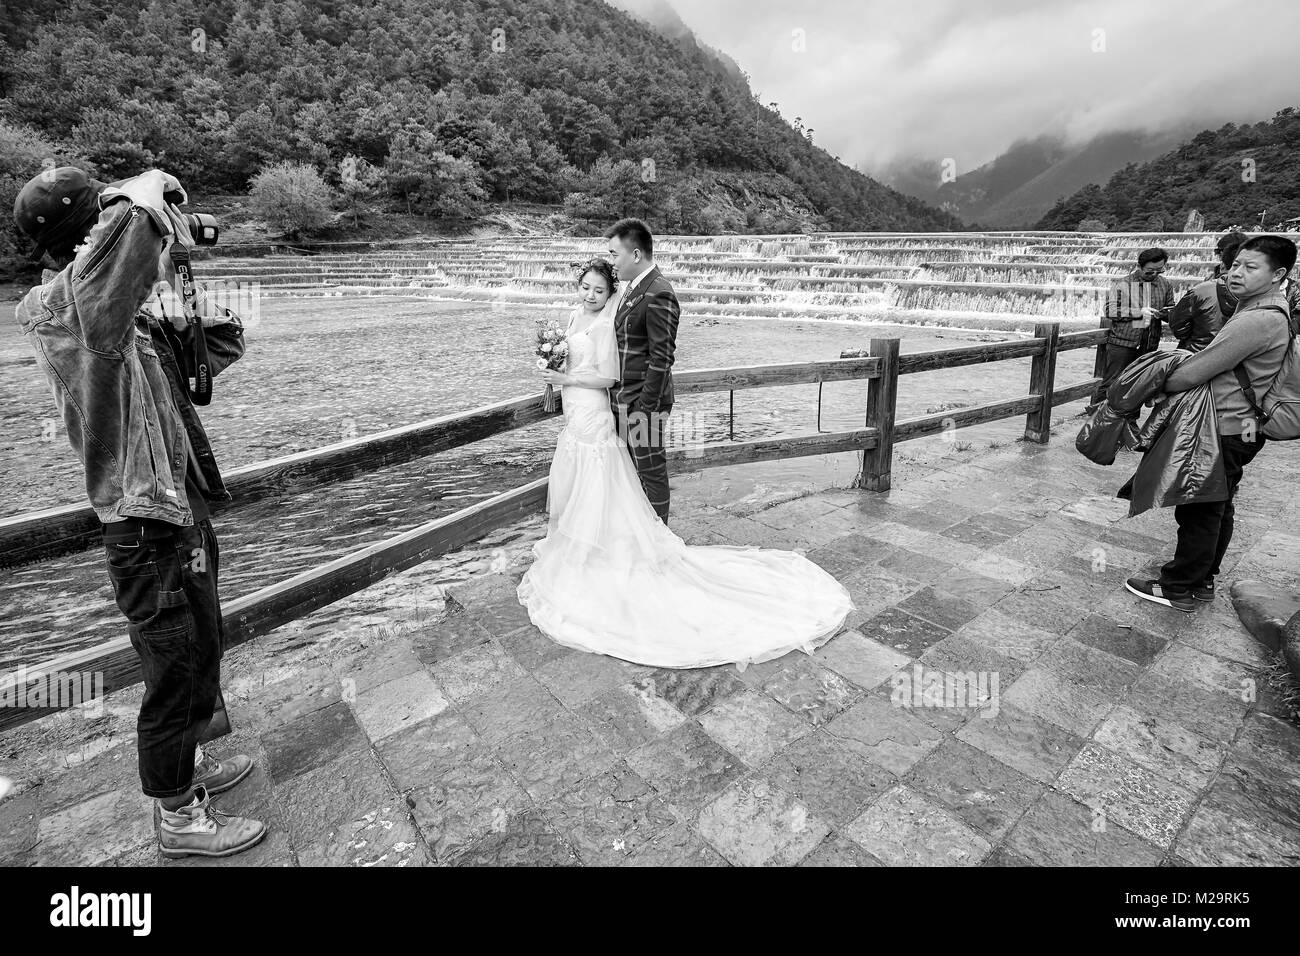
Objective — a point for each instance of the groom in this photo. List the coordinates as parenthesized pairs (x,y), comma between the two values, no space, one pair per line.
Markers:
(645,329)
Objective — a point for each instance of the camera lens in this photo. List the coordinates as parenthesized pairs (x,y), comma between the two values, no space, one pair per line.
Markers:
(203,228)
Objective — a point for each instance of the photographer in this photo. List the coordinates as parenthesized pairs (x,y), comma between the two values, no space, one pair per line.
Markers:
(120,381)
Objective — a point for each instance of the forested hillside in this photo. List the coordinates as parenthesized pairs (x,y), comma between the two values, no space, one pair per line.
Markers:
(1231,175)
(435,107)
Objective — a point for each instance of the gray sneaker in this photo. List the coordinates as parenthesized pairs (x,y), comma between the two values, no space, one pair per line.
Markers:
(218,776)
(198,830)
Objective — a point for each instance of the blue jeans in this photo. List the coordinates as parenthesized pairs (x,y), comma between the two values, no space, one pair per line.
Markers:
(165,581)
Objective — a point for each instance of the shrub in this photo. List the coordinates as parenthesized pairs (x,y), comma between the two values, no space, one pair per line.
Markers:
(584,206)
(292,198)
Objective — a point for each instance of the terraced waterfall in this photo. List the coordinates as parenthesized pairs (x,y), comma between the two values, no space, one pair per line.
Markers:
(971,280)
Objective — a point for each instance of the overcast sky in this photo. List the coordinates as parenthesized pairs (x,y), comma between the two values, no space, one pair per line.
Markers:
(966,78)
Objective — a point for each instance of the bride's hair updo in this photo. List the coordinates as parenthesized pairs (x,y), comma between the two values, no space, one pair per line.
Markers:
(596,264)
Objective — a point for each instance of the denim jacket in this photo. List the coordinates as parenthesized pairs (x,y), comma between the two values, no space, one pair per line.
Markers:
(116,381)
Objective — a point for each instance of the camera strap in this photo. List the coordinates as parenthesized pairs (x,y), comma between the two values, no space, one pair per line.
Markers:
(198,370)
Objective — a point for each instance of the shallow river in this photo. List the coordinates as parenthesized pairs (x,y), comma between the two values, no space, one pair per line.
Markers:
(318,370)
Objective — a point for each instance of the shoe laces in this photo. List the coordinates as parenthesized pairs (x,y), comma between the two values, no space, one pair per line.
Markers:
(214,819)
(207,818)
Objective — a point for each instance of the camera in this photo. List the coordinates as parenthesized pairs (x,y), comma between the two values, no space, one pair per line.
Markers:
(203,227)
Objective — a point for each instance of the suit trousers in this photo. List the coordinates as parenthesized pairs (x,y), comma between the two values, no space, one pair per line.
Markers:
(644,436)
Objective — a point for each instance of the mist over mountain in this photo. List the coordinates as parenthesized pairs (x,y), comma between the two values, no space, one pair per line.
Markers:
(1018,187)
(663,17)
(1247,175)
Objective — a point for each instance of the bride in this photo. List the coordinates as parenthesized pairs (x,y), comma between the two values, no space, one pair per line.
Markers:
(611,578)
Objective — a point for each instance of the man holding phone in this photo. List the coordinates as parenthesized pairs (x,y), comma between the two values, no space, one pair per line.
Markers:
(1135,306)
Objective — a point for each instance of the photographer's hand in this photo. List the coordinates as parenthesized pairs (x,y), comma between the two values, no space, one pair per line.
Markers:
(143,190)
(180,229)
(147,189)
(151,191)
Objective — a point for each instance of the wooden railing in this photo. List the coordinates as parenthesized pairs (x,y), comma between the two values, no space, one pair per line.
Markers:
(58,530)
(69,528)
(1037,406)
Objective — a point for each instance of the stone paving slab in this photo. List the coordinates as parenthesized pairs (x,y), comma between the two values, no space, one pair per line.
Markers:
(996,700)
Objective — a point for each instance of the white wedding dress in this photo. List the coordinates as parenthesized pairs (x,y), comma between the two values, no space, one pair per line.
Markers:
(611,578)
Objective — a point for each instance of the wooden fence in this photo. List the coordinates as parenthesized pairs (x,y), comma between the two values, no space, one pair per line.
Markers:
(60,530)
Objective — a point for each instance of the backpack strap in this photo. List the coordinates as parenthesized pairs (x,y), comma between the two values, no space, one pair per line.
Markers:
(1226,300)
(1244,381)
(1249,391)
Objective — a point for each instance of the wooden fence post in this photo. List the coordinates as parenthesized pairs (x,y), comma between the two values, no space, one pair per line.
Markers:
(1099,366)
(882,401)
(1042,381)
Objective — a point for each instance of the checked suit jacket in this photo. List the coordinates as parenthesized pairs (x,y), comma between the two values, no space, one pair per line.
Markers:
(645,333)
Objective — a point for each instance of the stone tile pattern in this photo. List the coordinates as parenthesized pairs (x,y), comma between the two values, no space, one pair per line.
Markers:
(1109,731)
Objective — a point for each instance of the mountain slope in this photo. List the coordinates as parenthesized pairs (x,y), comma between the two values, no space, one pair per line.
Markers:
(498,100)
(1231,175)
(1019,186)
(1094,162)
(662,16)
(974,193)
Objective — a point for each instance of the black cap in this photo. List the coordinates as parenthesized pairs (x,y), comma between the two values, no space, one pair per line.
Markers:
(57,208)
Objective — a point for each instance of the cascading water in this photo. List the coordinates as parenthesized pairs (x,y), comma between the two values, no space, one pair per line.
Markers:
(931,277)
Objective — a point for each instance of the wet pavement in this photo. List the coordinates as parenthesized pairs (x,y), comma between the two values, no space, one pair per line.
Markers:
(996,699)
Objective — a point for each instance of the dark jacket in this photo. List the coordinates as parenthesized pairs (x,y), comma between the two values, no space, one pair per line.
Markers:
(1142,381)
(1111,427)
(1181,461)
(115,378)
(1198,315)
(1104,433)
(645,330)
(1124,303)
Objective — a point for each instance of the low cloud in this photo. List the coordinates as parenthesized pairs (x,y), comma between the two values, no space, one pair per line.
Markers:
(966,78)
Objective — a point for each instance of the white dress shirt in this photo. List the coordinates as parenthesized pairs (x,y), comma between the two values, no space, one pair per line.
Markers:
(629,286)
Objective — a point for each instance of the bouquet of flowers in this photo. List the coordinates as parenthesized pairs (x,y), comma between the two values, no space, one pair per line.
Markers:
(552,350)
